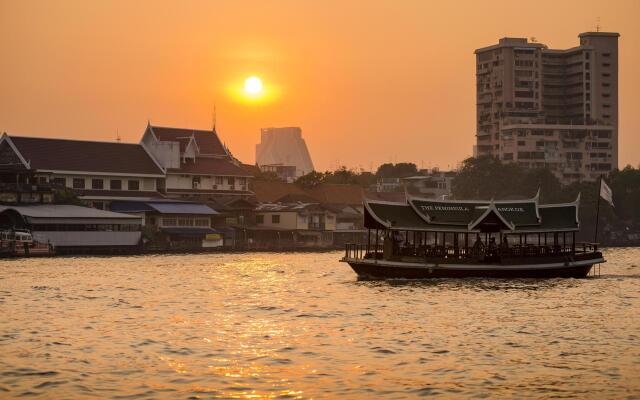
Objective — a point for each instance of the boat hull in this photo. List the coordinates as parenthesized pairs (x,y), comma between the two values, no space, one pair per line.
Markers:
(372,269)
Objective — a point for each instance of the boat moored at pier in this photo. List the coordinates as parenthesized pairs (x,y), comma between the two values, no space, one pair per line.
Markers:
(425,238)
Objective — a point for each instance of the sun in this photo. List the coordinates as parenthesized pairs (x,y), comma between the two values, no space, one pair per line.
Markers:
(253,85)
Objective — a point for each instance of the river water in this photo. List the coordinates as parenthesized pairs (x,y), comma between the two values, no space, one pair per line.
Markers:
(301,326)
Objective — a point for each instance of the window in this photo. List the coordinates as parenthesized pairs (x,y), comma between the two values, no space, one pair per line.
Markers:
(521,143)
(42,179)
(195,182)
(152,220)
(201,222)
(169,221)
(78,183)
(97,184)
(259,219)
(275,219)
(219,180)
(231,181)
(60,181)
(133,185)
(507,156)
(116,184)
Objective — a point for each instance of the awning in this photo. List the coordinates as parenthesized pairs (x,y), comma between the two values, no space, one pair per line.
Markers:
(182,208)
(188,231)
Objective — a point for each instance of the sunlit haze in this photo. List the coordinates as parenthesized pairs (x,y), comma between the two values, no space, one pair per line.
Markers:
(368,82)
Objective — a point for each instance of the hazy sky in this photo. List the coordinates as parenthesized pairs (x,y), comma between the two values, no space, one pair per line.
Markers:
(368,81)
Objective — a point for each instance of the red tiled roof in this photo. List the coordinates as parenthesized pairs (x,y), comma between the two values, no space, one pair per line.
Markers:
(333,193)
(326,193)
(80,155)
(207,191)
(253,170)
(209,166)
(387,196)
(272,191)
(208,141)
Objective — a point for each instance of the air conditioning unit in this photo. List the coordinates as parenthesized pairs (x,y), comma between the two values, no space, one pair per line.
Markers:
(196,185)
(215,186)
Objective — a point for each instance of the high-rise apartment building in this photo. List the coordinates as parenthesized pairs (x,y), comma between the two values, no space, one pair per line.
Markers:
(543,107)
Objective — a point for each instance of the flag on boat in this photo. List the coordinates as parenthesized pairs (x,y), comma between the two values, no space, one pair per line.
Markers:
(606,192)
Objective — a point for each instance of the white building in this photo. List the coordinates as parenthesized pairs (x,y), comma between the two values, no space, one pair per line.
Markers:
(542,107)
(195,162)
(98,172)
(283,147)
(71,228)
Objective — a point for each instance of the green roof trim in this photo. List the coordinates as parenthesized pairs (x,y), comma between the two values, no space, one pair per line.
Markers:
(471,216)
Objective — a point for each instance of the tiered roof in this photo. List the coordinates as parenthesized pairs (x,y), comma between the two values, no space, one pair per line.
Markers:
(435,215)
(208,142)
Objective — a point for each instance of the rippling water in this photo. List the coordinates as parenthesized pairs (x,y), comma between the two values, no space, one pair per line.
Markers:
(301,325)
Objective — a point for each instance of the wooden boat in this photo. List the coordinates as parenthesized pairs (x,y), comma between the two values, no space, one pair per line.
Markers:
(424,238)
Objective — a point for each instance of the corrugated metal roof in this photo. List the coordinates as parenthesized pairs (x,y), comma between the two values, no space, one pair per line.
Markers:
(182,208)
(64,211)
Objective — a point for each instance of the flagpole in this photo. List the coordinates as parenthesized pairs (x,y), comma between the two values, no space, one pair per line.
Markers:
(595,239)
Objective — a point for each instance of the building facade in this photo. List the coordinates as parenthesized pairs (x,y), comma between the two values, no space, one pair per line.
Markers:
(542,107)
(430,184)
(97,172)
(196,163)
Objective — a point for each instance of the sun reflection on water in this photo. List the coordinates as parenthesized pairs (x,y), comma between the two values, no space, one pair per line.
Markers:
(250,326)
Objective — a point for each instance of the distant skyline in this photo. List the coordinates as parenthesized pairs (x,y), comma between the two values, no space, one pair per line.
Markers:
(368,82)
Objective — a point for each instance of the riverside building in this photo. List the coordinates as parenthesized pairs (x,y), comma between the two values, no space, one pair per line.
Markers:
(542,107)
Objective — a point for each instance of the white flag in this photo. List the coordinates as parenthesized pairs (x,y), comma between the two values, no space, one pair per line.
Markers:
(605,192)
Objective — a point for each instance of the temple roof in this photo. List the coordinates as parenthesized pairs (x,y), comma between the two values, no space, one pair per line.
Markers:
(507,216)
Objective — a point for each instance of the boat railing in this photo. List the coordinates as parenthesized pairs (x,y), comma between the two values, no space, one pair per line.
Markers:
(361,251)
(364,251)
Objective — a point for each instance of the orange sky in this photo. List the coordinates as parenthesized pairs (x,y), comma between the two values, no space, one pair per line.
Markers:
(368,81)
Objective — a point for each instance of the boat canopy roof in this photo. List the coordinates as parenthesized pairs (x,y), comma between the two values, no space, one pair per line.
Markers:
(517,216)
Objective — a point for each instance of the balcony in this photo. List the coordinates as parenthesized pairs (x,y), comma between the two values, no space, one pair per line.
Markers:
(317,226)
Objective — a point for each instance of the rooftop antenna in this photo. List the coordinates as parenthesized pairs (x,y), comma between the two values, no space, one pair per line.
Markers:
(598,24)
(117,135)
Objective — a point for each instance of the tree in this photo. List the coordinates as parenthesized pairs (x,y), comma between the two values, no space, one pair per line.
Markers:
(266,176)
(310,180)
(486,178)
(400,170)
